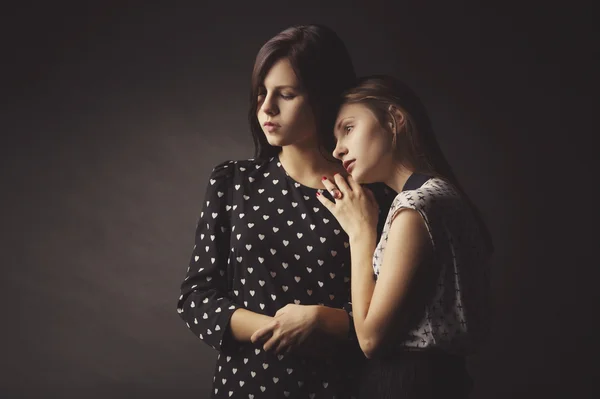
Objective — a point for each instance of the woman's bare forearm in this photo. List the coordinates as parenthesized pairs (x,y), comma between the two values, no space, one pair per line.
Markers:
(332,321)
(244,323)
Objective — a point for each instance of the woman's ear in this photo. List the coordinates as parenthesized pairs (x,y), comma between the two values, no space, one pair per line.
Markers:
(397,119)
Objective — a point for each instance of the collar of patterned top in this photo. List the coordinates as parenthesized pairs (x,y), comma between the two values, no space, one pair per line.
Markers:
(415,181)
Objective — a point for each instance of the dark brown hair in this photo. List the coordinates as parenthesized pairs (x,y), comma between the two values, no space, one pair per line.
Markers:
(323,67)
(419,148)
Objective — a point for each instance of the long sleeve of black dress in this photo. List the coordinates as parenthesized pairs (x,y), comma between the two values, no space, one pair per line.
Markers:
(205,303)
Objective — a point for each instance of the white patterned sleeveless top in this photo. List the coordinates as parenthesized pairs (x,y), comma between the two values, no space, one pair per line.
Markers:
(453,314)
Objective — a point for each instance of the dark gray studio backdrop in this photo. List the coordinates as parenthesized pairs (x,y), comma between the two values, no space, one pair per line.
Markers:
(113,117)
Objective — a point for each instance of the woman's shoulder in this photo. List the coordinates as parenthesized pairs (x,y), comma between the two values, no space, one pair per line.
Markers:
(433,193)
(438,188)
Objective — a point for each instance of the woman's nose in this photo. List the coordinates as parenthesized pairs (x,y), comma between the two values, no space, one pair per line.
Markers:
(339,151)
(269,107)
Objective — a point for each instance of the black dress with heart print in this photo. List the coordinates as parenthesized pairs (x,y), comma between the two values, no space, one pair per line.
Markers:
(264,241)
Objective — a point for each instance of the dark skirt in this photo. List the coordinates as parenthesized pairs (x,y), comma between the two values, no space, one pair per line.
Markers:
(416,375)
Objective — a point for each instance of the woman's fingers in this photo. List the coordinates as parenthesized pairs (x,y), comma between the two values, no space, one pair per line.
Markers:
(342,185)
(273,342)
(282,347)
(327,203)
(369,194)
(264,332)
(353,184)
(332,188)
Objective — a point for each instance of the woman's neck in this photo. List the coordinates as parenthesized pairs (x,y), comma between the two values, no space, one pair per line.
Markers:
(398,177)
(307,165)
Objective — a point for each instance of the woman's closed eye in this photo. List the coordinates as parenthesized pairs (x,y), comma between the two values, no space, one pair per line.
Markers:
(286,96)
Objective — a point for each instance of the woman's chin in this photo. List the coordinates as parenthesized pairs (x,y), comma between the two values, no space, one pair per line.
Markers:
(361,177)
(274,141)
(358,177)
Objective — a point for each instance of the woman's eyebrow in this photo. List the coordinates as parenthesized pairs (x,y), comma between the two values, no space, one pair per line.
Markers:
(343,120)
(282,87)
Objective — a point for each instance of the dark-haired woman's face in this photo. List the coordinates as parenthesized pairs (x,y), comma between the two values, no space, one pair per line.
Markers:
(284,112)
(363,144)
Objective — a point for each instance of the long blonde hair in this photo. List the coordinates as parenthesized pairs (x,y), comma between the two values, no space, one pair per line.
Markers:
(419,148)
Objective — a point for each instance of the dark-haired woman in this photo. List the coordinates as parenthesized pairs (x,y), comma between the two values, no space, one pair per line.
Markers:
(268,284)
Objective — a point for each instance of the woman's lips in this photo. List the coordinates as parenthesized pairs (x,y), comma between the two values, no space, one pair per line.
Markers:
(349,166)
(271,127)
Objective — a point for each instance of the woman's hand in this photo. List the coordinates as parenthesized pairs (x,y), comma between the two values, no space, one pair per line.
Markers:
(355,207)
(290,328)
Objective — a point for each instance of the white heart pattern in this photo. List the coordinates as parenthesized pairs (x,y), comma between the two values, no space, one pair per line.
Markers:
(256,257)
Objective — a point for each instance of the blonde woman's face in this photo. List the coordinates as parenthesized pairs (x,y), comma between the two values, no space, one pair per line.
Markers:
(363,144)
